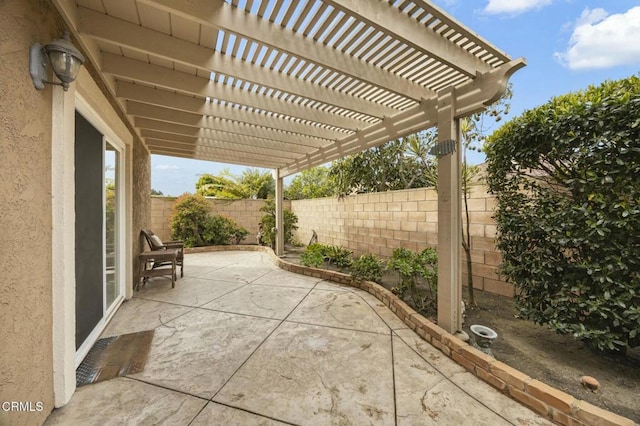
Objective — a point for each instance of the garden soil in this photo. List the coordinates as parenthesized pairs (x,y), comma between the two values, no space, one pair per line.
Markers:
(558,360)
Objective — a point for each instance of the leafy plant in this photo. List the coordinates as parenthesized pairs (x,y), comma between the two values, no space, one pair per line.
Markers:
(414,268)
(367,268)
(251,184)
(339,256)
(311,183)
(568,215)
(192,223)
(269,223)
(400,164)
(190,213)
(222,230)
(314,255)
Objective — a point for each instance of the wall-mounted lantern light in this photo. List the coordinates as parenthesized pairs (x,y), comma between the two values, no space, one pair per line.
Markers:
(65,61)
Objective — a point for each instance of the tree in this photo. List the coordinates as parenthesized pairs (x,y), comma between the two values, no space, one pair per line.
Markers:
(566,179)
(252,184)
(311,183)
(400,164)
(156,192)
(474,131)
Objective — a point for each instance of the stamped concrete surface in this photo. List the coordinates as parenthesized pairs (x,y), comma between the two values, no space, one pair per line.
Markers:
(241,342)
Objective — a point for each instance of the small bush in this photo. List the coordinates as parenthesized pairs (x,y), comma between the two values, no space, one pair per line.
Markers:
(367,268)
(414,268)
(269,223)
(192,223)
(314,255)
(339,256)
(222,230)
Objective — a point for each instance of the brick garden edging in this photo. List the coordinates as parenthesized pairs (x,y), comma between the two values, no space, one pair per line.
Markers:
(556,405)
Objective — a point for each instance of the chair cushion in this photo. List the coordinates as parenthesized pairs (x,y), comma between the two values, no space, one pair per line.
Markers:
(157,242)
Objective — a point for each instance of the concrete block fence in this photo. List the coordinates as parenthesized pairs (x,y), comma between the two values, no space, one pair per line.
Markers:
(372,223)
(554,404)
(245,212)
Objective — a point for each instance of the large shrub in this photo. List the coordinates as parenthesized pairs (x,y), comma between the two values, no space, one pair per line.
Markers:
(566,180)
(190,213)
(192,223)
(222,230)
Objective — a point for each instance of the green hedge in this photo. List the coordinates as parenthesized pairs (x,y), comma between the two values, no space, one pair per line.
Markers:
(566,177)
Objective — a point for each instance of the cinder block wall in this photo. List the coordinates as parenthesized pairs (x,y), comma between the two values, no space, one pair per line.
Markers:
(378,223)
(245,212)
(372,223)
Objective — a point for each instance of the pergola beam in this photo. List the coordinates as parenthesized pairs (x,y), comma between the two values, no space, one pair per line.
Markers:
(159,76)
(180,142)
(240,161)
(136,37)
(149,95)
(470,98)
(168,131)
(269,159)
(168,115)
(219,15)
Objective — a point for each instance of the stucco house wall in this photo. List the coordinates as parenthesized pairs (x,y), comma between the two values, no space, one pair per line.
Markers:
(25,214)
(33,218)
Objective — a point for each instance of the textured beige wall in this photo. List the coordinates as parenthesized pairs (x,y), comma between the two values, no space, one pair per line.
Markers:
(246,212)
(25,213)
(373,223)
(141,202)
(378,223)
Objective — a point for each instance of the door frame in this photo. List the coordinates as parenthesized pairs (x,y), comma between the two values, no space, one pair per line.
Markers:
(65,356)
(109,136)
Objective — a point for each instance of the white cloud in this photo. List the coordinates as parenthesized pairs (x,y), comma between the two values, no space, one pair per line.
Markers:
(167,167)
(514,7)
(600,40)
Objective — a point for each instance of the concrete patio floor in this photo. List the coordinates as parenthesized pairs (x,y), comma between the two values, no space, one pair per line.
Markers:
(242,342)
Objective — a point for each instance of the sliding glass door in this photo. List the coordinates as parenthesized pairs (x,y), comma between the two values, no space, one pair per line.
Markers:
(99,237)
(111,224)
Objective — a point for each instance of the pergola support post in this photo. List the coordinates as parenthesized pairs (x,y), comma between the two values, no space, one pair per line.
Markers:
(449,224)
(279,213)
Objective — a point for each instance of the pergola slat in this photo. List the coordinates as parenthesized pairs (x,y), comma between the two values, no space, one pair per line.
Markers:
(219,15)
(177,131)
(145,94)
(173,80)
(194,120)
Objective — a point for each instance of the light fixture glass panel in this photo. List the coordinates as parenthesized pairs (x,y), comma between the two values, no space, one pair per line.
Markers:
(64,65)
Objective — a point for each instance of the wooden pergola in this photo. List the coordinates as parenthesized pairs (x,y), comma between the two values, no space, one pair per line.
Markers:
(289,85)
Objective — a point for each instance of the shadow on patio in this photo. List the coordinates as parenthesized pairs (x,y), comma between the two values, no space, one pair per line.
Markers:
(240,341)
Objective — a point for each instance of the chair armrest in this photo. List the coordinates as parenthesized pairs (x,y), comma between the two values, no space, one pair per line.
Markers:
(174,244)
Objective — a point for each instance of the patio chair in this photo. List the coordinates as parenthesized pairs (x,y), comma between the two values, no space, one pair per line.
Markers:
(155,243)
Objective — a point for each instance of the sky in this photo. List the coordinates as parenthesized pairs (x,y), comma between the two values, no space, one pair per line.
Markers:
(568,45)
